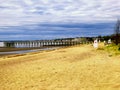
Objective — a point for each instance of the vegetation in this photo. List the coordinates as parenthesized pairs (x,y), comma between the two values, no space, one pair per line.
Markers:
(113,49)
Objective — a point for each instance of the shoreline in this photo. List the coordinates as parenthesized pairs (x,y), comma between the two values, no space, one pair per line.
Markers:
(12,51)
(2,49)
(30,51)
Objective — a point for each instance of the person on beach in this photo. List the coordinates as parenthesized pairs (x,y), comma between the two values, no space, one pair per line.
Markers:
(95,44)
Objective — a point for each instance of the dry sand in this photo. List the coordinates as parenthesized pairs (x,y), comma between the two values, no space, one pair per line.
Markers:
(74,68)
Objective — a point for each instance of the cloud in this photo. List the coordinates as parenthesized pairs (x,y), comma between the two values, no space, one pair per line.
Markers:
(25,18)
(19,12)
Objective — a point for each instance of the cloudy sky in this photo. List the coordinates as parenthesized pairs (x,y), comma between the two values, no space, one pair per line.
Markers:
(48,19)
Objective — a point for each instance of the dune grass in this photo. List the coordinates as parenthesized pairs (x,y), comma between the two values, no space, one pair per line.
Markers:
(113,49)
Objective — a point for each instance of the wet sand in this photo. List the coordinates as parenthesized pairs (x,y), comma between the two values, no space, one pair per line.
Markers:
(73,68)
(2,49)
(13,51)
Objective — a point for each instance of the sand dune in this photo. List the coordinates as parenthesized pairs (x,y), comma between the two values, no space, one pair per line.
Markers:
(74,68)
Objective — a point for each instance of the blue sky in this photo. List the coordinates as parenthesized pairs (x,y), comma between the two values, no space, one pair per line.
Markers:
(49,19)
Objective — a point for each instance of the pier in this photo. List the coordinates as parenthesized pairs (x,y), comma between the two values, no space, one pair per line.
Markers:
(40,43)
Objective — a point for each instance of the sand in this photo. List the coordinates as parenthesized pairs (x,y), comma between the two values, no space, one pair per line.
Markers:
(75,68)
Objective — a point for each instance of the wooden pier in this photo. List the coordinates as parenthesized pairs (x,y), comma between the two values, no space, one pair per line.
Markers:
(40,43)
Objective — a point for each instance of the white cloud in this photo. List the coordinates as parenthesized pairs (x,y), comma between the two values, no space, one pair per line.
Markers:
(20,12)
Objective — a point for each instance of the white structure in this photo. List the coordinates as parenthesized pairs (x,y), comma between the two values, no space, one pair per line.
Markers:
(109,41)
(2,44)
(95,44)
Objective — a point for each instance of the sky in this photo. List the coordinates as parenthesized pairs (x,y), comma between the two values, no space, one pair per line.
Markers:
(51,19)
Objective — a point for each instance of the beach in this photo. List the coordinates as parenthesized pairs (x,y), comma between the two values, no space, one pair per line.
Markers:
(79,67)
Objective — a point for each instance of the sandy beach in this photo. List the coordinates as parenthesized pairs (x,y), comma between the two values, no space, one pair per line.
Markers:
(73,68)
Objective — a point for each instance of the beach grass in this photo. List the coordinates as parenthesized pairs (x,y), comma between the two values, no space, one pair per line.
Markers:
(113,49)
